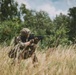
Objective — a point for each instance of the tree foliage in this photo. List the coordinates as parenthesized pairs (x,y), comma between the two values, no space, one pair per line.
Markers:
(72,25)
(60,30)
(9,10)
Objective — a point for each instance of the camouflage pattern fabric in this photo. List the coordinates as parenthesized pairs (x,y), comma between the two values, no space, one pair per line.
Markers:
(20,51)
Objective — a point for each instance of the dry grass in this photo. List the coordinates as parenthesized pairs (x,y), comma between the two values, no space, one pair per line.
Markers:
(61,61)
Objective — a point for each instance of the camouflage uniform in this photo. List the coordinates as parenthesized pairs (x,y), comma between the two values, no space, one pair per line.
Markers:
(22,51)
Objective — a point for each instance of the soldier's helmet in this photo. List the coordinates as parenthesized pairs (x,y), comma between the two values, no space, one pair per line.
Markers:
(25,31)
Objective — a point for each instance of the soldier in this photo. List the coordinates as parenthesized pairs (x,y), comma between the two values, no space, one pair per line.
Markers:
(24,48)
(23,37)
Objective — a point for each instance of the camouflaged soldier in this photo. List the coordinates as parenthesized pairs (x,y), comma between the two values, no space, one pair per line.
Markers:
(23,37)
(24,48)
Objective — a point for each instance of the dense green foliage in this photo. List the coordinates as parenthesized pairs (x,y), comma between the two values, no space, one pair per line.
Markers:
(60,30)
(72,25)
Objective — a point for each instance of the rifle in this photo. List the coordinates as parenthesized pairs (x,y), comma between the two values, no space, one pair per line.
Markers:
(32,36)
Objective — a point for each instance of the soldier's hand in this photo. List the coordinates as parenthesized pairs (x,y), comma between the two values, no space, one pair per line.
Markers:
(36,40)
(32,41)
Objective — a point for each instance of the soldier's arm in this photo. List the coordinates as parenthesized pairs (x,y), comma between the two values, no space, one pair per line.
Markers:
(26,43)
(29,42)
(16,40)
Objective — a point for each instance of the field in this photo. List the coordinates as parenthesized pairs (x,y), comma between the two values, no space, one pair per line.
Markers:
(60,61)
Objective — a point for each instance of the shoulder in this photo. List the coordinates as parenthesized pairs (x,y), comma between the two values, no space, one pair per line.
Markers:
(17,39)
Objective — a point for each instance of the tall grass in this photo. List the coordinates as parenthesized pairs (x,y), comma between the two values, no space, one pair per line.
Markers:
(59,61)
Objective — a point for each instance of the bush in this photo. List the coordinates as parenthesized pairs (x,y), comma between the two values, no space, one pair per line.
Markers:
(8,29)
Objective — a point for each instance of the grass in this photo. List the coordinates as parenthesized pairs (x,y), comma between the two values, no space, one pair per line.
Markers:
(61,61)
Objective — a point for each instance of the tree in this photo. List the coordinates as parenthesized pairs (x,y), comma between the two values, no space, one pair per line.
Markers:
(72,25)
(9,10)
(61,29)
(40,22)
